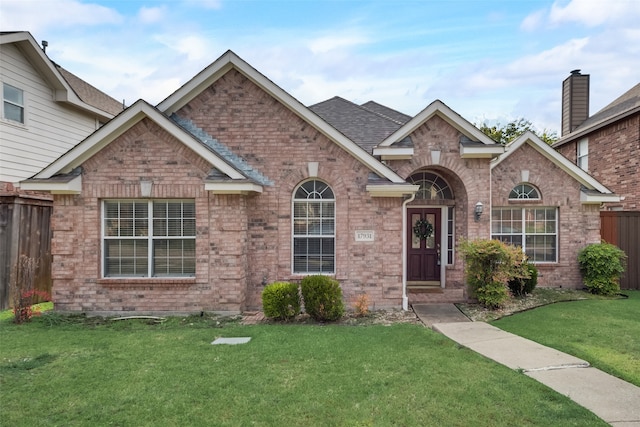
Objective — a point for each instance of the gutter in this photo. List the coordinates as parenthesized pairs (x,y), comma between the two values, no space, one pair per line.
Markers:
(405,298)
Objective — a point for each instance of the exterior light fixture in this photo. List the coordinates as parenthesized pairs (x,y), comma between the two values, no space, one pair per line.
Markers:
(478,211)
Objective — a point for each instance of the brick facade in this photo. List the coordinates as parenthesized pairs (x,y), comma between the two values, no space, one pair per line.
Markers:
(614,159)
(578,224)
(245,241)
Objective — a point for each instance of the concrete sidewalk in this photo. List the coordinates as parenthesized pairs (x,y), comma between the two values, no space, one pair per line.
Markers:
(615,401)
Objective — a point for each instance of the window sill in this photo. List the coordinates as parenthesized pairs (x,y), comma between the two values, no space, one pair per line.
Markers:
(170,282)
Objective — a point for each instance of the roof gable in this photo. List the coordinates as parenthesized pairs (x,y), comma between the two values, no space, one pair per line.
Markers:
(474,142)
(437,107)
(119,125)
(230,60)
(592,186)
(66,86)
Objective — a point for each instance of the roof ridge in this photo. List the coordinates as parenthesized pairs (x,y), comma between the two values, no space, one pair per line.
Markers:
(384,116)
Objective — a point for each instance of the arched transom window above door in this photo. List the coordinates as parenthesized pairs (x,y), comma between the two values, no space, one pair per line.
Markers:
(432,186)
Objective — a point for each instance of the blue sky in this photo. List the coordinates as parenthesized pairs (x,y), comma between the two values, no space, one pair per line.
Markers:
(490,61)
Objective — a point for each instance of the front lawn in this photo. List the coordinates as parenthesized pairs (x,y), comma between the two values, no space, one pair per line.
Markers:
(54,371)
(604,332)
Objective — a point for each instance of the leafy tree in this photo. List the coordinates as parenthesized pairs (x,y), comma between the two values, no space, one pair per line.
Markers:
(504,134)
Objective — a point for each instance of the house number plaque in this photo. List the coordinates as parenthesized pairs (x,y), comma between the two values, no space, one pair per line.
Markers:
(365,236)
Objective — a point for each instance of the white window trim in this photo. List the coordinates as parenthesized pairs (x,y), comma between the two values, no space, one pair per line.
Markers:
(582,156)
(293,236)
(525,198)
(23,106)
(524,234)
(149,238)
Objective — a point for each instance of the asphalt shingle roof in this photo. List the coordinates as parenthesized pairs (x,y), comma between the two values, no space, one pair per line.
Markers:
(367,125)
(89,94)
(221,150)
(626,103)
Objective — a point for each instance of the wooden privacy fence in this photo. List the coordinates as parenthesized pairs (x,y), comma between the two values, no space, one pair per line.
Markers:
(622,228)
(24,230)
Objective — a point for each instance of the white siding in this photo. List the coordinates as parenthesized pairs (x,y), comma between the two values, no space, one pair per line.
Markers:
(50,129)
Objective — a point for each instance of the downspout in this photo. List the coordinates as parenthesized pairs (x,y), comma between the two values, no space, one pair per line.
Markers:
(405,298)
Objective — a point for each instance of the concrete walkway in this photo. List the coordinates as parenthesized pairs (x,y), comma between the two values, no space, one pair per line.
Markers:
(615,401)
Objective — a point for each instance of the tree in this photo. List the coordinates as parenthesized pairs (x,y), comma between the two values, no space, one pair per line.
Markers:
(512,130)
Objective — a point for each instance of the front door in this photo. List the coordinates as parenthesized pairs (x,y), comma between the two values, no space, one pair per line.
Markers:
(423,236)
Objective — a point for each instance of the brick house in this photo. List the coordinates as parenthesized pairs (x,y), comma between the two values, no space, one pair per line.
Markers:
(230,183)
(606,144)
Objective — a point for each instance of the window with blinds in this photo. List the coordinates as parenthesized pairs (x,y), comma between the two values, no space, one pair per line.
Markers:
(150,238)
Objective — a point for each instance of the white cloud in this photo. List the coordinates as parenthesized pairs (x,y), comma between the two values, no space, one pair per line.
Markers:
(207,4)
(593,13)
(326,44)
(533,21)
(150,15)
(38,16)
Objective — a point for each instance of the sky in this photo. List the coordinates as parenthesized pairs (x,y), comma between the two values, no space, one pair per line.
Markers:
(490,61)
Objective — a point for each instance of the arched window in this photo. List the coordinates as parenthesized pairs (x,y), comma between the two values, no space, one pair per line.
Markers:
(432,186)
(524,191)
(314,219)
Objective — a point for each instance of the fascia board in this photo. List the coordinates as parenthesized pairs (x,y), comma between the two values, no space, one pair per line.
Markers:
(73,186)
(586,199)
(232,187)
(437,107)
(391,190)
(562,162)
(393,153)
(116,127)
(62,91)
(594,127)
(479,152)
(230,60)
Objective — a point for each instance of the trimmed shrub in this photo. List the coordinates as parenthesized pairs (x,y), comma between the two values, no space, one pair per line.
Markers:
(281,300)
(489,265)
(601,265)
(520,286)
(322,297)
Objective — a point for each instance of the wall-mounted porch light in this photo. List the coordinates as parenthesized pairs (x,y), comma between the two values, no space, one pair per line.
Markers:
(478,211)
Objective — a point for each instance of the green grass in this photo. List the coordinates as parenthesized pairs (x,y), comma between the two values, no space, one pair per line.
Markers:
(604,332)
(41,307)
(69,371)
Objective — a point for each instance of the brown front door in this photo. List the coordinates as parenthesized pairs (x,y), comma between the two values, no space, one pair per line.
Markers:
(423,257)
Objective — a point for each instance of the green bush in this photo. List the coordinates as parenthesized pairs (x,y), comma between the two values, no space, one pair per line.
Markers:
(281,300)
(489,265)
(601,265)
(322,297)
(520,286)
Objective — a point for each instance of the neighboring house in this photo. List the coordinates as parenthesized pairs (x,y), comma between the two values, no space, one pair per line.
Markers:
(230,183)
(45,110)
(607,146)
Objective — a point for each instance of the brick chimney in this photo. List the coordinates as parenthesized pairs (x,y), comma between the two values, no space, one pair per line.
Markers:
(575,101)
